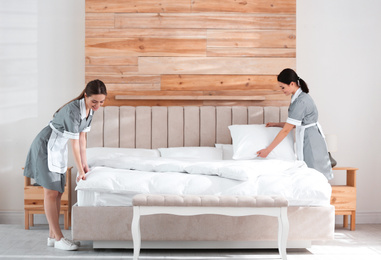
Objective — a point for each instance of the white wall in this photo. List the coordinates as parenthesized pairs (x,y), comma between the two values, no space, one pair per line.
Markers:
(60,66)
(339,55)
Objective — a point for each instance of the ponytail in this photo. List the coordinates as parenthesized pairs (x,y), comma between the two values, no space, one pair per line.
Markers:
(303,85)
(289,75)
(94,87)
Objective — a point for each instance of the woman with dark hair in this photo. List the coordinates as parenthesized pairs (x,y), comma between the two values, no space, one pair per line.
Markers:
(46,162)
(302,114)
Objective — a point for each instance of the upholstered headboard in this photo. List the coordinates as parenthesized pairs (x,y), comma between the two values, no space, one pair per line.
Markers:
(174,126)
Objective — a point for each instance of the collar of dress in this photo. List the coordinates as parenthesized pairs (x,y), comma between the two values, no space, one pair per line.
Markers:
(82,106)
(297,93)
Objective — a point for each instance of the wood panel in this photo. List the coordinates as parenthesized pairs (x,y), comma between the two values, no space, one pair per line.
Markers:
(119,60)
(213,65)
(206,20)
(138,6)
(182,33)
(252,38)
(165,6)
(218,82)
(111,70)
(190,47)
(127,79)
(99,20)
(251,52)
(145,47)
(247,6)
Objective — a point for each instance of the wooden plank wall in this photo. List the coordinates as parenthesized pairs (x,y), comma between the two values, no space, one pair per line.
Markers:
(192,49)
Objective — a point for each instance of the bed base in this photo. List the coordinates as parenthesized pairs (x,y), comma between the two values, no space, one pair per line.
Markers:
(154,127)
(201,244)
(110,227)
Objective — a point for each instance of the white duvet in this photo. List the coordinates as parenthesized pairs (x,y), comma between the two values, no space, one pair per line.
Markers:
(127,175)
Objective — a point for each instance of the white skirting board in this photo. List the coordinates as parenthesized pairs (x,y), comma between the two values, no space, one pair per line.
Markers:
(17,218)
(200,244)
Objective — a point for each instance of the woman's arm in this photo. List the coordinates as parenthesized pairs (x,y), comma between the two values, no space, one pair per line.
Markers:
(281,124)
(77,158)
(280,136)
(82,148)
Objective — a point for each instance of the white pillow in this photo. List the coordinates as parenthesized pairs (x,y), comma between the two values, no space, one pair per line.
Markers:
(202,153)
(249,139)
(227,151)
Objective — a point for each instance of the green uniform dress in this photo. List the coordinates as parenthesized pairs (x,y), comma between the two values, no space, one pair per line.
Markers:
(46,162)
(310,142)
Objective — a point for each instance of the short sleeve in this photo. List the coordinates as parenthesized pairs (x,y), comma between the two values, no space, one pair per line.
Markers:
(296,112)
(87,129)
(67,121)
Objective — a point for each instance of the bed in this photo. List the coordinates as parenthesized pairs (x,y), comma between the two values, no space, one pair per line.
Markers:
(195,150)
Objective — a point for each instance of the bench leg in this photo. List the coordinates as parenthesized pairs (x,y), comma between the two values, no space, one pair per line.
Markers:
(283,229)
(135,230)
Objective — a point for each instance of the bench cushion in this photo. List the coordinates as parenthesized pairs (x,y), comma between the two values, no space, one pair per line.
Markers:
(149,200)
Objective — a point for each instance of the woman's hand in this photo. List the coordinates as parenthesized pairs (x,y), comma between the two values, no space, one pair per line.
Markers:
(263,153)
(81,176)
(86,168)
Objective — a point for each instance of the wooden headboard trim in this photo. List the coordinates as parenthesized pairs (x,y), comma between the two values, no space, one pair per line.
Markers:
(205,97)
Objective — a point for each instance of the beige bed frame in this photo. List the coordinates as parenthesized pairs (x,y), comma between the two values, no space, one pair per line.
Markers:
(155,127)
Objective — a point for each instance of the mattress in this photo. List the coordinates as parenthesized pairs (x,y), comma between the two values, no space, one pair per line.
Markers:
(113,182)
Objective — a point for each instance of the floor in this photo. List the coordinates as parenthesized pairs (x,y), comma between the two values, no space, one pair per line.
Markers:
(362,244)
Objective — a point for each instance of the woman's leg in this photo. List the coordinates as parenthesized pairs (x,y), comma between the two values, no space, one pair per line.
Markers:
(51,199)
(58,203)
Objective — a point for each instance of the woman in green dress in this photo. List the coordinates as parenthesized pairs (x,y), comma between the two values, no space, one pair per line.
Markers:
(302,114)
(46,162)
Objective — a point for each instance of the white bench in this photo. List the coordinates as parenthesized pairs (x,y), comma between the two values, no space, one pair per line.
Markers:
(188,205)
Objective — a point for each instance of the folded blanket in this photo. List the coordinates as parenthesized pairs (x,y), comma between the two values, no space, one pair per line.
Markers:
(232,169)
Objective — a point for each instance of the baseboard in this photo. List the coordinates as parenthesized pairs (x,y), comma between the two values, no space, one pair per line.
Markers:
(17,218)
(363,218)
(12,217)
(368,217)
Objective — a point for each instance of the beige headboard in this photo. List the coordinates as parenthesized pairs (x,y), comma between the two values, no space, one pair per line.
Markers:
(174,126)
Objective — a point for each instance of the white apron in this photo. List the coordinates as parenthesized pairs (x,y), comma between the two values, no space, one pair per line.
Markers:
(57,151)
(299,136)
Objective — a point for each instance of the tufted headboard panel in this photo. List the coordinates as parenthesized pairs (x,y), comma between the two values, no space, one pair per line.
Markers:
(174,126)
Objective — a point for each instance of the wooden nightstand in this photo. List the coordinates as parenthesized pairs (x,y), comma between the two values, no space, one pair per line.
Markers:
(34,201)
(344,196)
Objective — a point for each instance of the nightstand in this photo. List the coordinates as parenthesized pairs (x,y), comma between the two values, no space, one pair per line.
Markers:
(34,201)
(344,196)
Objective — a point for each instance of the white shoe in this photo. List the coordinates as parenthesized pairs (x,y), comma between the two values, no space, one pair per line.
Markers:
(52,240)
(65,244)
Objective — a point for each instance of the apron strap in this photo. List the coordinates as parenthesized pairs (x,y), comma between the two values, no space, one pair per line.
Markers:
(300,138)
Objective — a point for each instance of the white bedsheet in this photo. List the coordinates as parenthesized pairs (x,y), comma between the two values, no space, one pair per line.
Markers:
(301,185)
